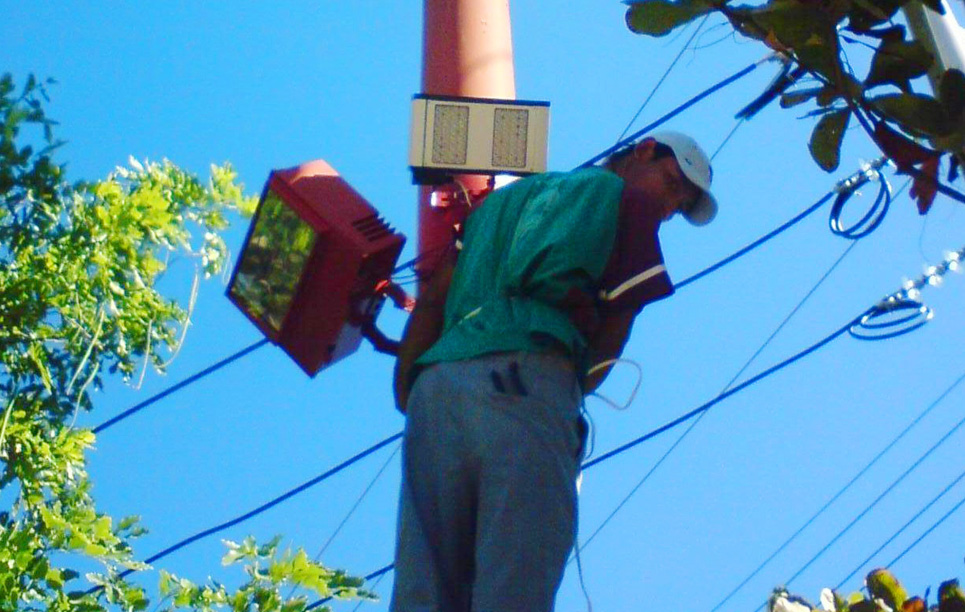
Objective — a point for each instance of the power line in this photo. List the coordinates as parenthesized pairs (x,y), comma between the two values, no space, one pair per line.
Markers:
(743,368)
(901,530)
(880,497)
(398,435)
(184,383)
(839,493)
(927,532)
(712,89)
(666,73)
(264,507)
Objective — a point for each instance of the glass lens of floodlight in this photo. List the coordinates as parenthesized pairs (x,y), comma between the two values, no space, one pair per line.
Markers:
(273,261)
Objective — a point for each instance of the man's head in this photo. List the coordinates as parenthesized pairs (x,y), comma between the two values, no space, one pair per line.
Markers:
(673,171)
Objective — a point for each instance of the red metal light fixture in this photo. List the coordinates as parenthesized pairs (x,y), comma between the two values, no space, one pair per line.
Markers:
(312,271)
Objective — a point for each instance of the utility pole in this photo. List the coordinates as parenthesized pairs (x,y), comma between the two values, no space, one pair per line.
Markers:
(941,35)
(467,51)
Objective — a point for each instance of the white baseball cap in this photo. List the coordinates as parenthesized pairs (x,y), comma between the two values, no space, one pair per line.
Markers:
(695,165)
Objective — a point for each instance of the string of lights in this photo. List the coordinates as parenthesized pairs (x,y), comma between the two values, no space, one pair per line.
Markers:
(874,503)
(892,444)
(902,529)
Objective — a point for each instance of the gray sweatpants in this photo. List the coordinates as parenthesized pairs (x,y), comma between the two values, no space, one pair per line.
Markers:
(487,511)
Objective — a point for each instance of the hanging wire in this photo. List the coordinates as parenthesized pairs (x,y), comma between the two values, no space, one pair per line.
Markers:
(937,523)
(848,185)
(840,492)
(184,383)
(376,574)
(874,216)
(355,506)
(712,89)
(740,372)
(874,503)
(666,73)
(901,530)
(264,507)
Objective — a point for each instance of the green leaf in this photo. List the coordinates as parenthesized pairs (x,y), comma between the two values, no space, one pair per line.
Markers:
(799,97)
(883,585)
(826,139)
(660,17)
(915,112)
(897,61)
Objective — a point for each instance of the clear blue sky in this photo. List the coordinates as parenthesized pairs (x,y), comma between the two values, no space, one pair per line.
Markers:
(270,85)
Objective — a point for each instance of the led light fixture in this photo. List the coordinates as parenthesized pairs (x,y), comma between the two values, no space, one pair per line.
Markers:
(452,135)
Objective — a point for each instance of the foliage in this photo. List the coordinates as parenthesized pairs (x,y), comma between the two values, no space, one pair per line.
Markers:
(268,572)
(884,594)
(813,34)
(79,264)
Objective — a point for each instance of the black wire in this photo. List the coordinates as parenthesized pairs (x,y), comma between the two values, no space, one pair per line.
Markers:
(870,221)
(376,574)
(874,503)
(184,383)
(314,481)
(927,532)
(743,368)
(840,492)
(734,77)
(666,73)
(901,530)
(707,406)
(750,247)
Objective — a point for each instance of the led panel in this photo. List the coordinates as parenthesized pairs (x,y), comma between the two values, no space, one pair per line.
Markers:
(453,135)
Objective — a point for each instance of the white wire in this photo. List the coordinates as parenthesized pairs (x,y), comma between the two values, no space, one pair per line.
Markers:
(636,387)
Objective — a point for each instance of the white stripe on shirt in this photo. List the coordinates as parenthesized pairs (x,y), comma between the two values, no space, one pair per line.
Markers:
(633,282)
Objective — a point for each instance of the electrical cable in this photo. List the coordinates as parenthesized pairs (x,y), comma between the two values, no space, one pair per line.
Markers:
(875,502)
(376,574)
(840,492)
(927,532)
(184,383)
(355,506)
(743,368)
(848,185)
(666,73)
(712,89)
(901,530)
(267,506)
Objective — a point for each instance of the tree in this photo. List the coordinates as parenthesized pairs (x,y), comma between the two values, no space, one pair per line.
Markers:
(814,35)
(78,268)
(884,594)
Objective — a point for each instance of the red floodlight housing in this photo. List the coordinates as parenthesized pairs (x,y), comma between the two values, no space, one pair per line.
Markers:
(314,265)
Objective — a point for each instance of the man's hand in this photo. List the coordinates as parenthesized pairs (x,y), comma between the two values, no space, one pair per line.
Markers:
(607,343)
(422,330)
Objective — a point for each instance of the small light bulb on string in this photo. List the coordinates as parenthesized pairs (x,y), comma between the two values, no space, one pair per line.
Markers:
(935,280)
(913,293)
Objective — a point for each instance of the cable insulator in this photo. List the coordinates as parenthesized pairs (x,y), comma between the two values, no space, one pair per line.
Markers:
(875,215)
(891,318)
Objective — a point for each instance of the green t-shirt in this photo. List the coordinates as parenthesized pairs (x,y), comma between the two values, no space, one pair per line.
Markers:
(524,250)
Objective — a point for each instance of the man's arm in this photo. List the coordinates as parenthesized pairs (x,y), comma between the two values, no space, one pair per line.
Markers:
(422,330)
(608,343)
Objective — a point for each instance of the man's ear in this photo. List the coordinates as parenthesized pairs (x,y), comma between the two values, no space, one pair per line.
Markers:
(644,149)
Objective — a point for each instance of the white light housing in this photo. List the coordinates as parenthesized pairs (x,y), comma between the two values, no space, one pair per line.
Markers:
(452,135)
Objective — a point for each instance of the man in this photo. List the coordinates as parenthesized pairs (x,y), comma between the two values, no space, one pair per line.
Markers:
(497,356)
